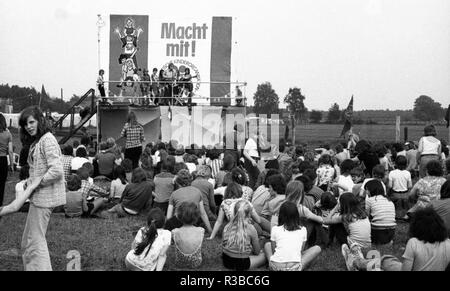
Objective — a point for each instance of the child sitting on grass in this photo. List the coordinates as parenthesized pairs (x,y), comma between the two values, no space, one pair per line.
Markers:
(344,182)
(326,172)
(76,199)
(399,185)
(381,212)
(285,250)
(201,183)
(149,248)
(90,168)
(136,197)
(241,249)
(118,184)
(277,184)
(323,208)
(188,239)
(378,173)
(89,189)
(127,164)
(351,225)
(357,174)
(233,194)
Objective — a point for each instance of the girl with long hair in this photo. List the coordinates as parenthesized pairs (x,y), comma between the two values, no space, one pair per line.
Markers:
(146,161)
(241,249)
(233,194)
(356,225)
(45,164)
(150,245)
(295,193)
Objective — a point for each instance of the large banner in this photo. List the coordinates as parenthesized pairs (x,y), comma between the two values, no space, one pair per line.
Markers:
(186,43)
(128,52)
(197,48)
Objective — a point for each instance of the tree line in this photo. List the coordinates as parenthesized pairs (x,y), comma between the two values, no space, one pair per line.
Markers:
(23,97)
(266,101)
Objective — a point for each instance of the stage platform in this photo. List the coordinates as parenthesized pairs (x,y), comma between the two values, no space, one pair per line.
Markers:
(201,124)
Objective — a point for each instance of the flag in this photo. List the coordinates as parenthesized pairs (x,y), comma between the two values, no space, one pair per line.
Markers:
(348,114)
(447,116)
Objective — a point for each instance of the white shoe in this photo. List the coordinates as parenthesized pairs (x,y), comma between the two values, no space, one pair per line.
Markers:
(348,257)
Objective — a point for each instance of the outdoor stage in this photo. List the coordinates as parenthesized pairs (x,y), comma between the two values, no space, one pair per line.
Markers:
(201,125)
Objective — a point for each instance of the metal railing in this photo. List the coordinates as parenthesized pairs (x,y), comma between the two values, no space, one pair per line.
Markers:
(178,93)
(71,111)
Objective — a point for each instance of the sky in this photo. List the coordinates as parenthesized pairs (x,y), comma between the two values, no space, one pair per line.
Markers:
(384,52)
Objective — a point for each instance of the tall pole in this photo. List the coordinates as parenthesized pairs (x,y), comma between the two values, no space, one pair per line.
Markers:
(397,129)
(100,24)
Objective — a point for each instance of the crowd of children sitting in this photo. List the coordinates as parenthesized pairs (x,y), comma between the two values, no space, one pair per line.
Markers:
(302,202)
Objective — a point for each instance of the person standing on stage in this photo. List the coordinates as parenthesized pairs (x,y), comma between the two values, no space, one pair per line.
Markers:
(239,97)
(45,162)
(155,86)
(170,76)
(145,87)
(134,134)
(101,85)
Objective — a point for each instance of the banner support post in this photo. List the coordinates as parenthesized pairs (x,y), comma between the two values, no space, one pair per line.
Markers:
(397,129)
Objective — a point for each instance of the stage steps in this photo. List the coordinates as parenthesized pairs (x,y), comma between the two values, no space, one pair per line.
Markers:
(74,128)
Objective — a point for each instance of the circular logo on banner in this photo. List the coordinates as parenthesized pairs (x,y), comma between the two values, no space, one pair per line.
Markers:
(181,66)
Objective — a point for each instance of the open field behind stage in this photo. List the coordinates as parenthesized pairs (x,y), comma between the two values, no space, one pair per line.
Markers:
(316,134)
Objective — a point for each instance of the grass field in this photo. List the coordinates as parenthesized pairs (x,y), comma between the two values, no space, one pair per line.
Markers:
(103,243)
(317,134)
